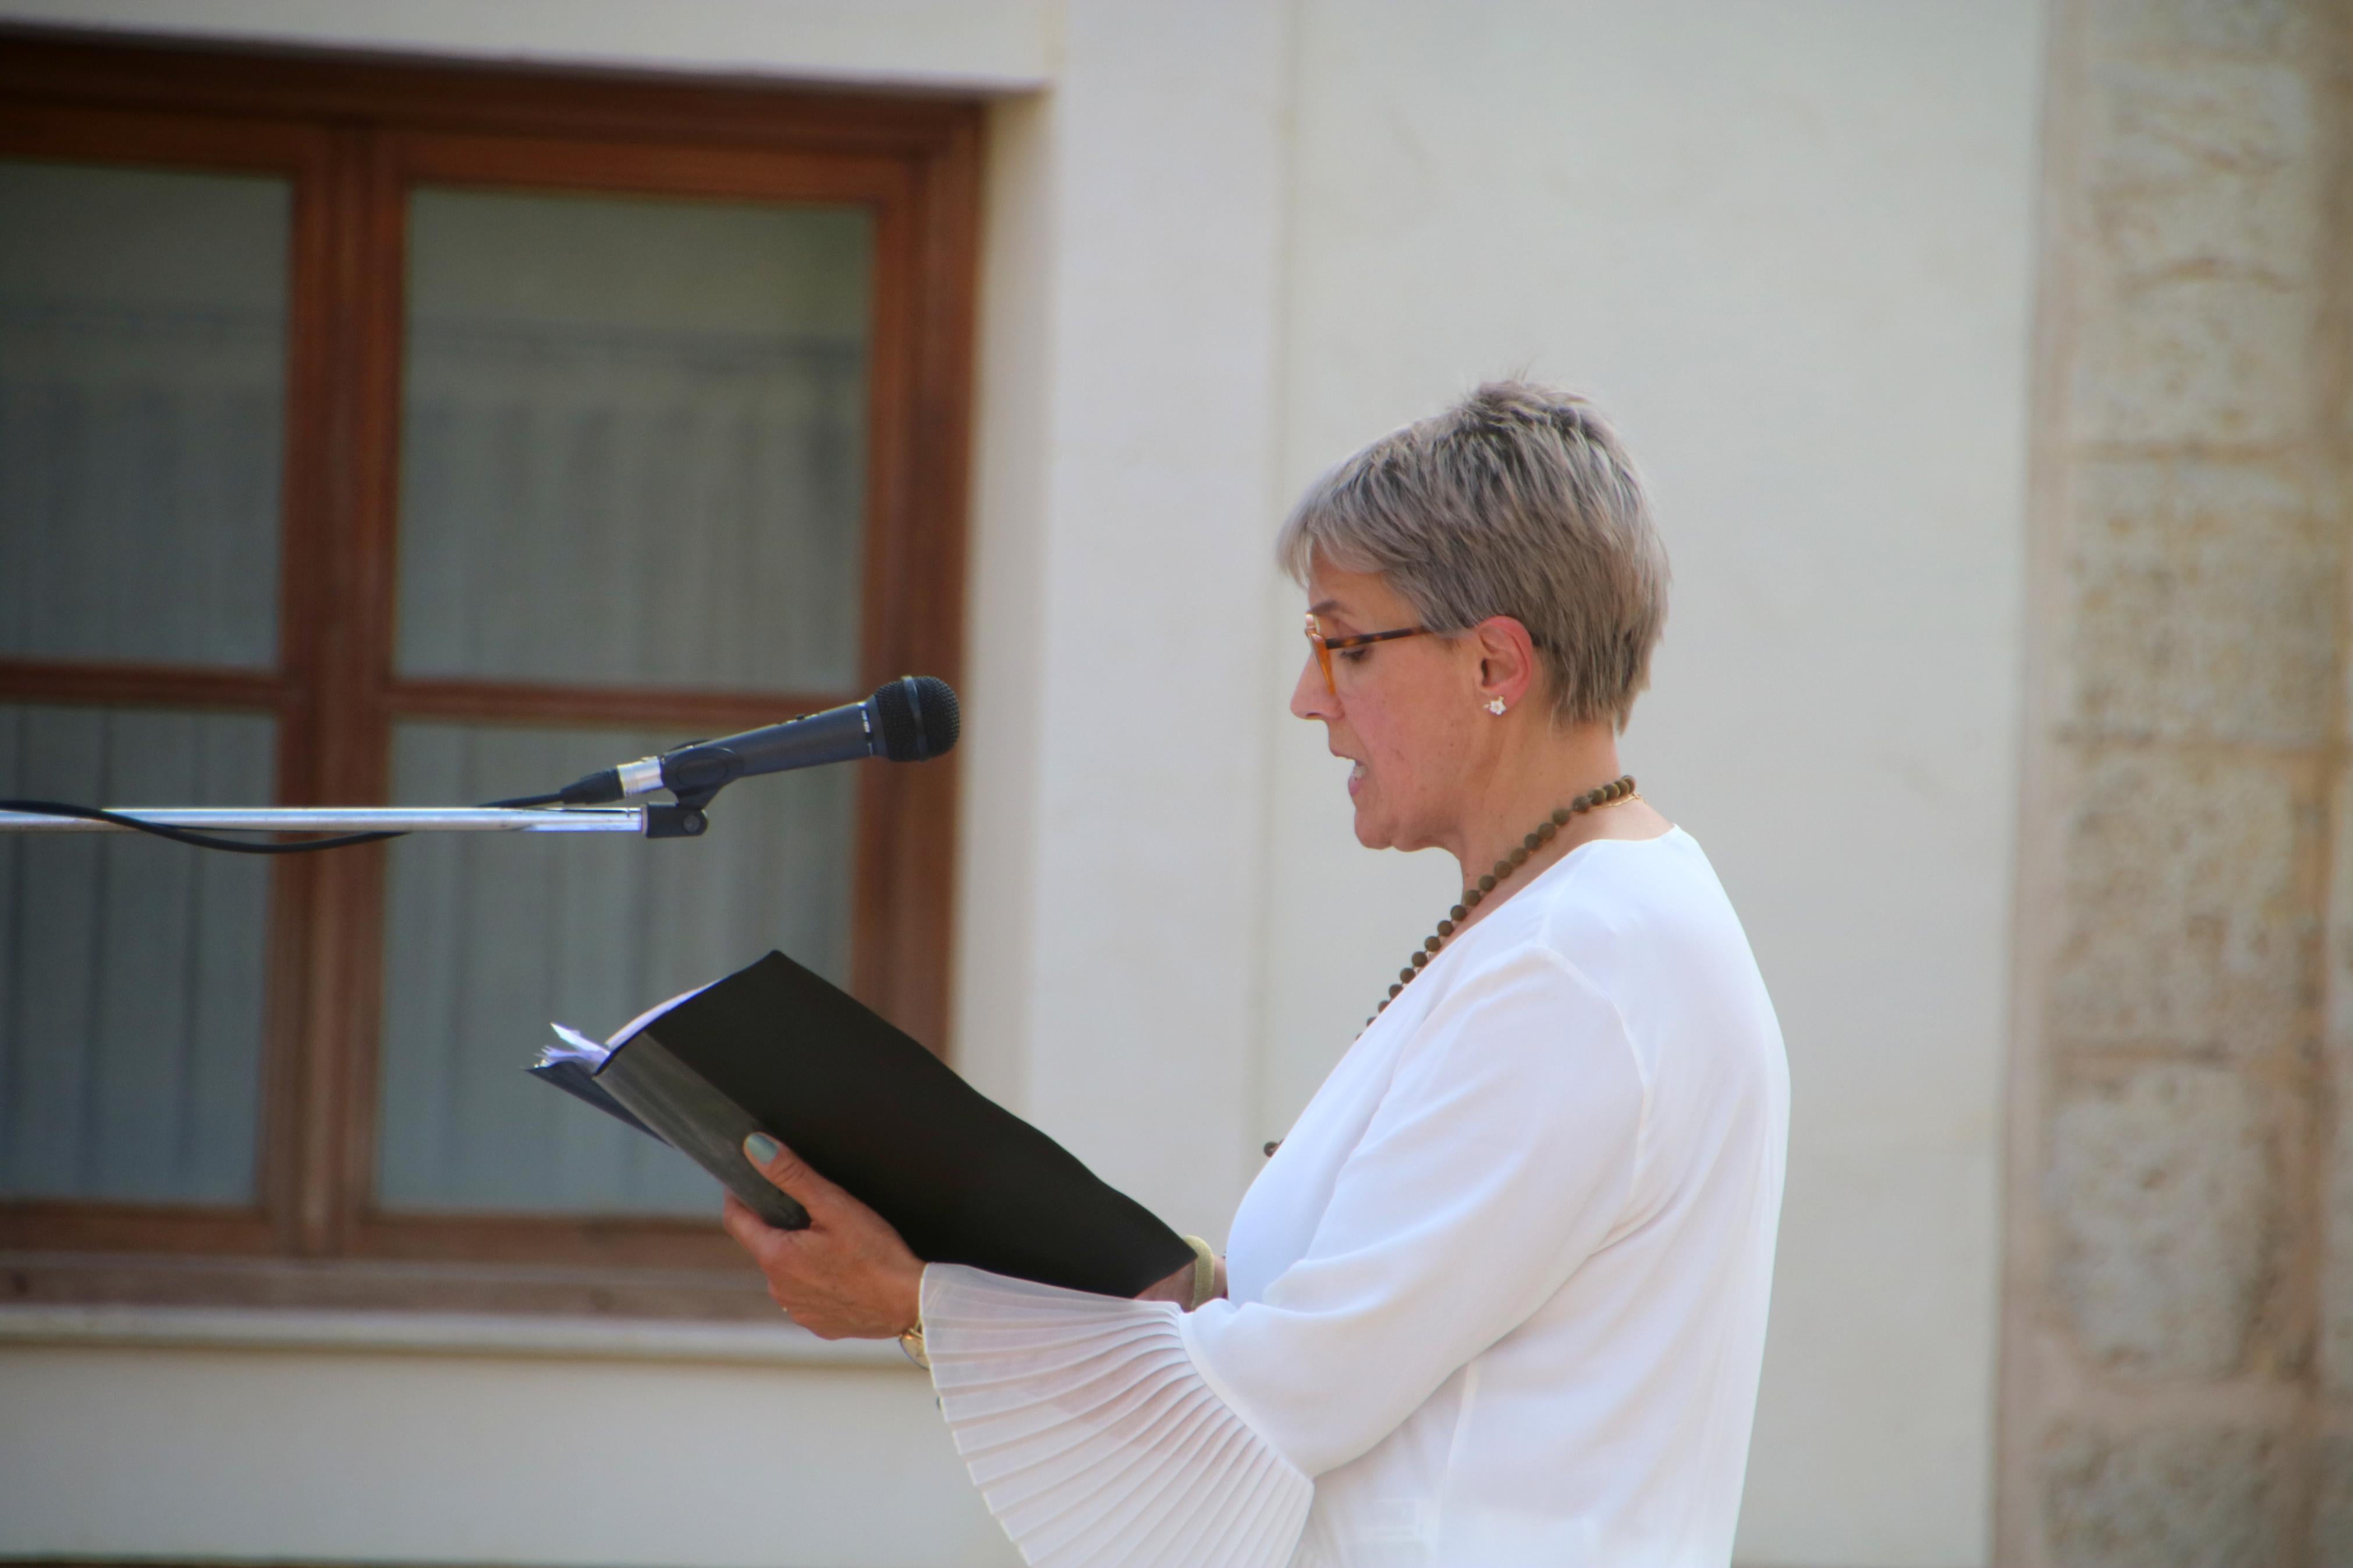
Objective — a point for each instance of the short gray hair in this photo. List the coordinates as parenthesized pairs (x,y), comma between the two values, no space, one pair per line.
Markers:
(1519,501)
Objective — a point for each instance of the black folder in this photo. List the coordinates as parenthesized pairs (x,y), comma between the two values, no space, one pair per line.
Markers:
(774,1048)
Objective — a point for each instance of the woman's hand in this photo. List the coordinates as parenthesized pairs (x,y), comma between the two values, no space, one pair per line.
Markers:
(848,1276)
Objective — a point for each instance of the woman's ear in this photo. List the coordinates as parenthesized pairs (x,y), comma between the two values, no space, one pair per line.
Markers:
(1507,662)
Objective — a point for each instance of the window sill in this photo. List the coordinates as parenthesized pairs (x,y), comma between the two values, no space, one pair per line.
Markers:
(438,1333)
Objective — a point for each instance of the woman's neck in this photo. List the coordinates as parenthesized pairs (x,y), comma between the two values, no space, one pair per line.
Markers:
(1546,769)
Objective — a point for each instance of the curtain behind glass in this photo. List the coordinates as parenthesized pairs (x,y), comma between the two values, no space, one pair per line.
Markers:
(634,447)
(142,349)
(131,970)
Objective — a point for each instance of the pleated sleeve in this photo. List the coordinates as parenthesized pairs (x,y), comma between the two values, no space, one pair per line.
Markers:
(1092,1436)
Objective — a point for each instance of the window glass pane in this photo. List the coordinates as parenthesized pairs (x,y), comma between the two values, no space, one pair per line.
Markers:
(142,348)
(634,447)
(493,936)
(131,970)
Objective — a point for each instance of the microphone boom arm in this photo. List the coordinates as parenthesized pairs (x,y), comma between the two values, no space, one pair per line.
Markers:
(346,819)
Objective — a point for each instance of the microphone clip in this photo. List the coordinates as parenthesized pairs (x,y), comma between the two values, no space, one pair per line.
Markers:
(684,816)
(681,819)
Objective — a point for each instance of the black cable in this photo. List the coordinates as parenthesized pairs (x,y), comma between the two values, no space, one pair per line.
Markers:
(184,835)
(239,846)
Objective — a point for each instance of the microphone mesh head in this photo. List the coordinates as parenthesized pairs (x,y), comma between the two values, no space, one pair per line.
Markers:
(918,717)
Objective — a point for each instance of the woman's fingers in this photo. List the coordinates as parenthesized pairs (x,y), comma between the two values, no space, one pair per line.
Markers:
(789,1173)
(847,1274)
(750,1231)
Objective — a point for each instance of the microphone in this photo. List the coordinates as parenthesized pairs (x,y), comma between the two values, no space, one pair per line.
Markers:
(907,721)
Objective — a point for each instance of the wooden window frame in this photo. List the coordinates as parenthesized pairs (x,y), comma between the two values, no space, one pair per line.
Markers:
(352,136)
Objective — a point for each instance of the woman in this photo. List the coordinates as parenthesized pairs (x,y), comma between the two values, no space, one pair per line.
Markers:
(1499,1297)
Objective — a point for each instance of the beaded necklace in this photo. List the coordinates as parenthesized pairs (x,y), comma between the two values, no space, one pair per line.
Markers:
(1591,800)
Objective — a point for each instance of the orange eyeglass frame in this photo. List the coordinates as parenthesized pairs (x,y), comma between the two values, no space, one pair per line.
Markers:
(1325,646)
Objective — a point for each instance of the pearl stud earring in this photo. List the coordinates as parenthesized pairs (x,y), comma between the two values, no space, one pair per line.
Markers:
(1495,706)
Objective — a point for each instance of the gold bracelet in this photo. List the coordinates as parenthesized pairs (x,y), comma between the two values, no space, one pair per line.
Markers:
(1205,1271)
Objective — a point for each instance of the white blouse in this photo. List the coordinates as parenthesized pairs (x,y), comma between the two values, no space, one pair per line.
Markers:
(1498,1299)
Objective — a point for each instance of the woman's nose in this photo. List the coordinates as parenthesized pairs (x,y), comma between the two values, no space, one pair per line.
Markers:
(1309,697)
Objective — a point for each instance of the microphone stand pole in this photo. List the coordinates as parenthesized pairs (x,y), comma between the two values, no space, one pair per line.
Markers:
(651,821)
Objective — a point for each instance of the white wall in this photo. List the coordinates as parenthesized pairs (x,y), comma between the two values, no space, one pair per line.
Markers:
(1788,246)
(250,1455)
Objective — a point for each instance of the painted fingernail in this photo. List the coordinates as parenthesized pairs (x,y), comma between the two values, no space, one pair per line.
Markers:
(760,1147)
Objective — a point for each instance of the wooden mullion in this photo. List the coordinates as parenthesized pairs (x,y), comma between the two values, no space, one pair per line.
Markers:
(46,1225)
(924,873)
(343,960)
(913,600)
(313,368)
(883,649)
(702,713)
(99,683)
(656,106)
(251,140)
(718,173)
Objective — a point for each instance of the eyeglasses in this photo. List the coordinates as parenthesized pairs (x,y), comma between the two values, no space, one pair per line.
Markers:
(1325,646)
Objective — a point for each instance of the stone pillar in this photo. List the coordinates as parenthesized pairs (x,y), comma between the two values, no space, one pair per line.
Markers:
(2178,1334)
